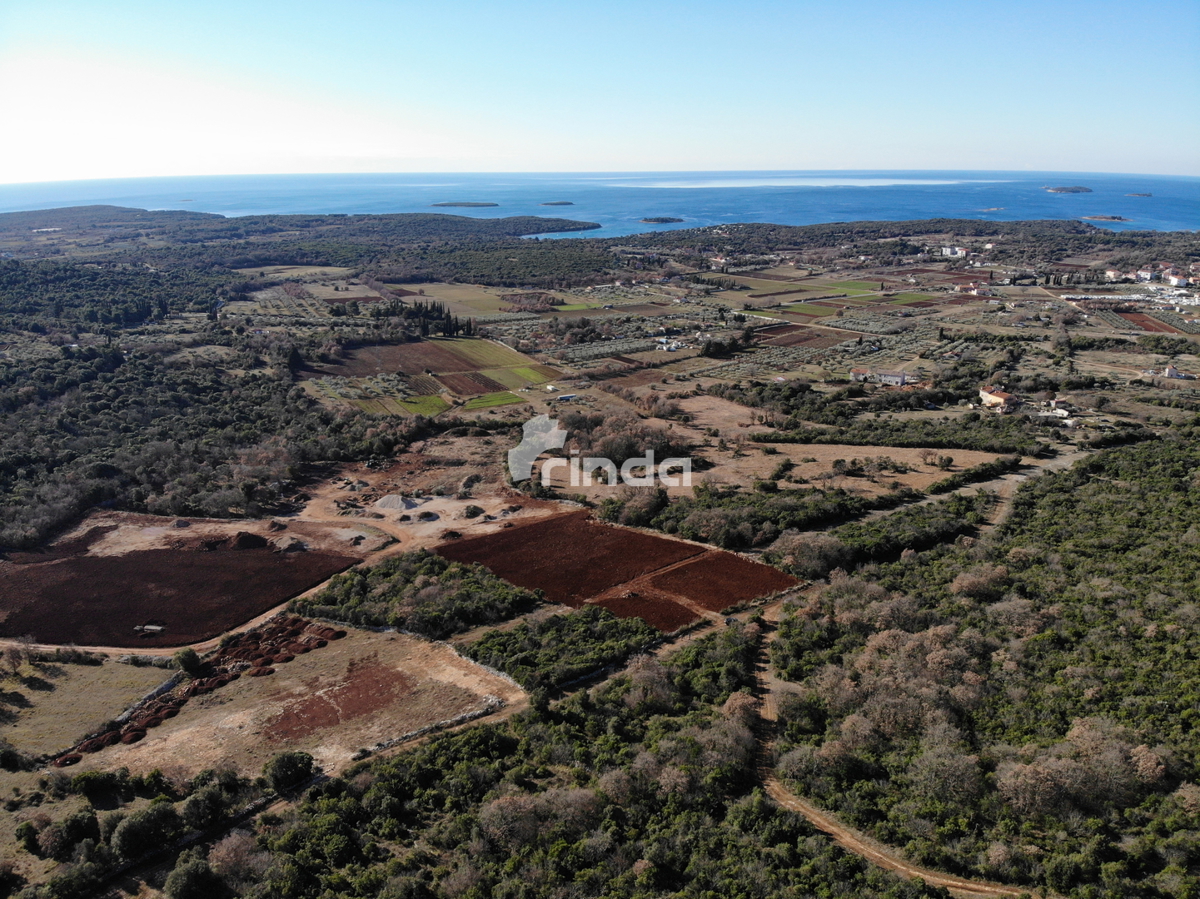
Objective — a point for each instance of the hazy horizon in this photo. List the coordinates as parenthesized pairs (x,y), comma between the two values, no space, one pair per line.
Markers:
(133,89)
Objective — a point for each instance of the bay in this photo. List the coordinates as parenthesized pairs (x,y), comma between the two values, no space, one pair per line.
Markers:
(619,201)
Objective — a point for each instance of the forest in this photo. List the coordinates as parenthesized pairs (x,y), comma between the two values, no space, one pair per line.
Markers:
(1019,707)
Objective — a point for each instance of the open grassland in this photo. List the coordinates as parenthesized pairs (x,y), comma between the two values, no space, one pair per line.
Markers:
(52,704)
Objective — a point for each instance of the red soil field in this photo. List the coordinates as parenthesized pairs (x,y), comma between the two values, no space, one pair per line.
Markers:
(194,595)
(574,559)
(368,688)
(569,557)
(654,609)
(1146,323)
(470,383)
(718,580)
(407,358)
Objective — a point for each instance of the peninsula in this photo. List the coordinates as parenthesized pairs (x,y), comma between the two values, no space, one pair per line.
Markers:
(468,205)
(1068,190)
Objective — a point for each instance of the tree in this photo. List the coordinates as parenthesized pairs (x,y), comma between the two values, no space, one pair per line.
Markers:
(193,880)
(288,770)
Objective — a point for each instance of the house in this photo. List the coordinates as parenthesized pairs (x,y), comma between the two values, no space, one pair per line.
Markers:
(995,398)
(893,378)
(1114,274)
(1178,280)
(859,375)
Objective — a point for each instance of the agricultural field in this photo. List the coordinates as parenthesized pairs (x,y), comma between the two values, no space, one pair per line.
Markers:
(141,582)
(575,560)
(406,378)
(491,400)
(808,309)
(332,702)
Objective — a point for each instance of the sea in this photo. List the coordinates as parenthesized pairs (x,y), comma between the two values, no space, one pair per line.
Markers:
(619,202)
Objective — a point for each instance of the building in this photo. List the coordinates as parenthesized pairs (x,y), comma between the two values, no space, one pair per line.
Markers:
(995,398)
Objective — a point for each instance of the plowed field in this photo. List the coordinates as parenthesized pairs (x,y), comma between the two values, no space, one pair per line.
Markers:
(569,557)
(192,594)
(575,559)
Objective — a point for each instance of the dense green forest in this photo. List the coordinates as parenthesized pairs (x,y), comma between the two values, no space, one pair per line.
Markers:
(1021,708)
(419,592)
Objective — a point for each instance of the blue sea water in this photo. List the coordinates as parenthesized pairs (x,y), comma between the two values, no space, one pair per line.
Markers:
(618,201)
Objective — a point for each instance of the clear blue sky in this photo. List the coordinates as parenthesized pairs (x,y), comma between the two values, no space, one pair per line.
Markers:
(122,88)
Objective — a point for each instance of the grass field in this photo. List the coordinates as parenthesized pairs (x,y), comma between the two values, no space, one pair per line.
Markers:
(485,354)
(488,400)
(60,703)
(809,309)
(903,299)
(423,405)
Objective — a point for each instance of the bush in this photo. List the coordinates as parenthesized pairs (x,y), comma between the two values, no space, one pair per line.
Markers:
(193,880)
(289,770)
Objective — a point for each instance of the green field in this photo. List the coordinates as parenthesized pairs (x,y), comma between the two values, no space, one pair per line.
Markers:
(809,309)
(484,353)
(423,405)
(516,378)
(488,400)
(903,299)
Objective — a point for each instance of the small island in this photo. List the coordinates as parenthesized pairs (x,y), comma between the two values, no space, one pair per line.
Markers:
(557,203)
(1139,195)
(469,205)
(1106,218)
(1068,190)
(661,220)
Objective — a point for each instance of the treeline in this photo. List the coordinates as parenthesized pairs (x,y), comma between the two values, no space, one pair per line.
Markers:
(912,529)
(732,519)
(1014,434)
(985,471)
(419,592)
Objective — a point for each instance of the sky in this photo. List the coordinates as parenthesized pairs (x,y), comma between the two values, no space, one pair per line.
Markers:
(123,88)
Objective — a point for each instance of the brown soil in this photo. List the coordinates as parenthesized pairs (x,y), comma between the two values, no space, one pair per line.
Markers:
(408,358)
(470,383)
(718,580)
(1146,323)
(575,559)
(570,557)
(192,594)
(369,688)
(656,609)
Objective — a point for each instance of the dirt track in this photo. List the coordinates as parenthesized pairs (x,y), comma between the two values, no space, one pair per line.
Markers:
(845,836)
